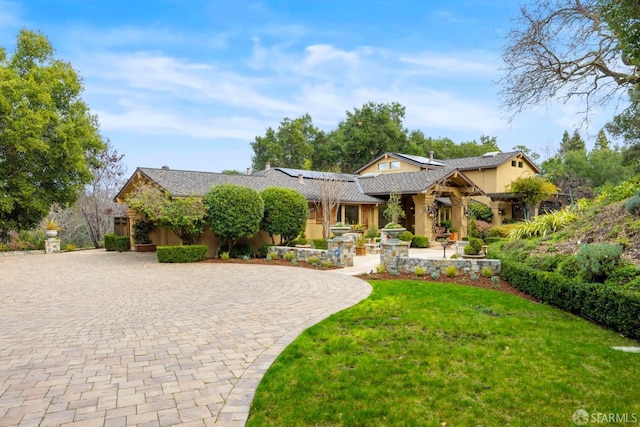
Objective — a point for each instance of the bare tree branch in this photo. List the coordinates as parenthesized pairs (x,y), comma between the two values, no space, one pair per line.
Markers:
(559,50)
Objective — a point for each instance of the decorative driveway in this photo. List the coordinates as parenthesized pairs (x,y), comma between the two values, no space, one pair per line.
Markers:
(95,338)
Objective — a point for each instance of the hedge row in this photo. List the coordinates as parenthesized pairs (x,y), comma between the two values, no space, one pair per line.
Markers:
(192,253)
(113,242)
(609,306)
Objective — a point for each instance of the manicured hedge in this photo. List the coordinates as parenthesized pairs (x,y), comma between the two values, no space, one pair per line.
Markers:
(606,305)
(420,242)
(191,253)
(113,242)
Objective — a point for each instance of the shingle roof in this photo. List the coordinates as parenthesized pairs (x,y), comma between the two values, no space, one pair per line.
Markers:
(489,160)
(186,183)
(406,182)
(466,163)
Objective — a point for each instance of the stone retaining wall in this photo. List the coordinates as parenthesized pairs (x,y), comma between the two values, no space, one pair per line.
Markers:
(464,266)
(340,252)
(302,254)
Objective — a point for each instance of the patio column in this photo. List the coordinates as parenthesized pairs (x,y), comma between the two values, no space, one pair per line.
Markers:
(423,218)
(457,214)
(496,208)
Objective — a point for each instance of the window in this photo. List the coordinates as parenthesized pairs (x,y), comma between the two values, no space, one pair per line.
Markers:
(312,211)
(513,163)
(395,165)
(382,221)
(444,214)
(351,214)
(383,166)
(519,164)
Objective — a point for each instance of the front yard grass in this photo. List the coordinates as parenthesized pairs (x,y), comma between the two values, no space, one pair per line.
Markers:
(420,353)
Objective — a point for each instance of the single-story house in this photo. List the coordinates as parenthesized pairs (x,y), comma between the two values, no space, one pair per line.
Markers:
(431,190)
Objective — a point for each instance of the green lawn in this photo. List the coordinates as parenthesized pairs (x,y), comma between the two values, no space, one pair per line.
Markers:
(419,353)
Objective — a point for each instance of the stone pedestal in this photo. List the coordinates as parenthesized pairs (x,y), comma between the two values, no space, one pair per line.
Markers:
(341,252)
(52,246)
(390,252)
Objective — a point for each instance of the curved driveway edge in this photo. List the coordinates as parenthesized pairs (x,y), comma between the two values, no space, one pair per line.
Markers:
(116,339)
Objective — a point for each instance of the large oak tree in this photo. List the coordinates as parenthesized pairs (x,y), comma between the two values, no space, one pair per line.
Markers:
(48,138)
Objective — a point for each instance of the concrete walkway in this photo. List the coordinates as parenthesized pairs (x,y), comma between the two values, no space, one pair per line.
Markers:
(95,338)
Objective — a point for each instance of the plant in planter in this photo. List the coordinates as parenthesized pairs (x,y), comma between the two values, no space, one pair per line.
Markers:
(406,236)
(141,230)
(371,233)
(338,229)
(394,212)
(360,244)
(51,228)
(474,246)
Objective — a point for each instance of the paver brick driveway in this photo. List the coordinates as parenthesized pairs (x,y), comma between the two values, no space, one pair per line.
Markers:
(97,338)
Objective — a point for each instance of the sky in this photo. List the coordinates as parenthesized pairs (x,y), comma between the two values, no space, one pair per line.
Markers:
(190,83)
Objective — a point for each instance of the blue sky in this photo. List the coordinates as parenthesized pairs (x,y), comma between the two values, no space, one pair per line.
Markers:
(189,84)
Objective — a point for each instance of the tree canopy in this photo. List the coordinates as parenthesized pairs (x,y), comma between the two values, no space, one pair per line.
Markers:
(234,212)
(48,138)
(362,136)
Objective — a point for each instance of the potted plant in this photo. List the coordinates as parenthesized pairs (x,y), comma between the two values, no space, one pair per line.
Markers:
(51,228)
(454,233)
(141,230)
(393,213)
(361,245)
(371,233)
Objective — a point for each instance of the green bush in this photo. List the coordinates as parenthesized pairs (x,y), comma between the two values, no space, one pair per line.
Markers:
(481,211)
(109,242)
(598,261)
(234,212)
(419,271)
(633,205)
(451,271)
(548,262)
(113,242)
(569,267)
(406,236)
(474,247)
(263,250)
(285,213)
(487,272)
(420,242)
(240,250)
(320,244)
(606,305)
(490,240)
(122,243)
(289,256)
(34,238)
(191,253)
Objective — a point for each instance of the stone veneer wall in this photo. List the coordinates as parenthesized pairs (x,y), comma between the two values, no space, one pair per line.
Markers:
(395,256)
(464,266)
(340,252)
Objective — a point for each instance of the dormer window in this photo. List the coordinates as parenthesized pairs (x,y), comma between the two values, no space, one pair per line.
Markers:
(519,164)
(383,166)
(513,163)
(395,165)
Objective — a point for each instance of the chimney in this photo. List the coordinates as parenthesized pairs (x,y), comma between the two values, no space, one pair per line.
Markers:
(267,166)
(300,179)
(431,156)
(248,171)
(165,168)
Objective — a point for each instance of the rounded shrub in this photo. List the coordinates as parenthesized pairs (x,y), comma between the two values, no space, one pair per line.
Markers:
(406,236)
(451,271)
(598,261)
(633,205)
(285,213)
(474,247)
(420,242)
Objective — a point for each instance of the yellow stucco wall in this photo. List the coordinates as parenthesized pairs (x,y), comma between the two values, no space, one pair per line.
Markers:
(404,167)
(507,174)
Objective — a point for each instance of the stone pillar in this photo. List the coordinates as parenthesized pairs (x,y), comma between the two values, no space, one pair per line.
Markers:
(52,245)
(423,218)
(390,252)
(341,252)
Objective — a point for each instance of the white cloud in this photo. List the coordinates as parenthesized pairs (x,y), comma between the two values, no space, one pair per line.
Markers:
(453,65)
